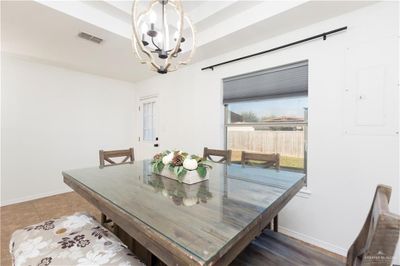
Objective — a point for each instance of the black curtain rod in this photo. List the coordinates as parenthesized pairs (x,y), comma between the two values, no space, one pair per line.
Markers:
(323,35)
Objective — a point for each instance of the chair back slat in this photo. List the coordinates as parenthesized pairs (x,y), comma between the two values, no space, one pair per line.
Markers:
(126,155)
(224,154)
(267,160)
(376,243)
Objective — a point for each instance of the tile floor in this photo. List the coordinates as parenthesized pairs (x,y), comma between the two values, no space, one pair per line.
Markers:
(20,215)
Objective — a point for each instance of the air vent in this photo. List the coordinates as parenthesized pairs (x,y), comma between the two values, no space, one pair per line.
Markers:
(90,37)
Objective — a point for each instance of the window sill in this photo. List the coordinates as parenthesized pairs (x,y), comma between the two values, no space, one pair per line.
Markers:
(305,192)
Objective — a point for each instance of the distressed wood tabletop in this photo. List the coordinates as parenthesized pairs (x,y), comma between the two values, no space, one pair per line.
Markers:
(207,223)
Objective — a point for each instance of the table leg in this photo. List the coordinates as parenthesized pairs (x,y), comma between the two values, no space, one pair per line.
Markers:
(276,223)
(149,259)
(103,219)
(268,226)
(116,230)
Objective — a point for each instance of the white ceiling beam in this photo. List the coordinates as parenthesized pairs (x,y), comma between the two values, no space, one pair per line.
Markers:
(125,6)
(200,13)
(245,19)
(90,14)
(204,11)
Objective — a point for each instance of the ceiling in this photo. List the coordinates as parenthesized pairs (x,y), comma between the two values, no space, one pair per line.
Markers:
(47,30)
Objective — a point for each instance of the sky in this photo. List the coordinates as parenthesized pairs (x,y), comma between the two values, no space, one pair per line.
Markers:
(293,106)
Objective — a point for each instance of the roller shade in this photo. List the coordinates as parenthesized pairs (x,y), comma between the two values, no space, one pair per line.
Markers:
(282,80)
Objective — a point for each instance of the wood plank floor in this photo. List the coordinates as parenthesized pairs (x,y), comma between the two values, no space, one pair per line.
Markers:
(20,215)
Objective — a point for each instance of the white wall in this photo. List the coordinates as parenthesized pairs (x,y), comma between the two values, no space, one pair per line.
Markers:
(55,119)
(346,160)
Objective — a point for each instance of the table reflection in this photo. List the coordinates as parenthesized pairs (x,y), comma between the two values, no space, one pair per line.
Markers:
(179,193)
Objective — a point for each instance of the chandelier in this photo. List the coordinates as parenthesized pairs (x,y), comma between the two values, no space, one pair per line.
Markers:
(163,36)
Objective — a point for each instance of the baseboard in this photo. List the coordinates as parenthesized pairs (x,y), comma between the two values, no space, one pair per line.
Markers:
(33,197)
(314,241)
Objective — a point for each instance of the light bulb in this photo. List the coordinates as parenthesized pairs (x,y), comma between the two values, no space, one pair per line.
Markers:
(144,28)
(152,17)
(176,35)
(159,38)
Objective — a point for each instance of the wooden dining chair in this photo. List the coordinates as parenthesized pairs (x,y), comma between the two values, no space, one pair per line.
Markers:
(265,160)
(375,244)
(107,158)
(226,155)
(262,159)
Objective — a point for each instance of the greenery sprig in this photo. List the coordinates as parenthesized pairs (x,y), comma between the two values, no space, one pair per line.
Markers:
(179,163)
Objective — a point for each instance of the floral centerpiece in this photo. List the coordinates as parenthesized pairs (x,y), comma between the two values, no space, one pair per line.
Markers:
(180,166)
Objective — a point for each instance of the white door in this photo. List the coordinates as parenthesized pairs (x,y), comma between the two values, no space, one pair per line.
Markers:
(148,128)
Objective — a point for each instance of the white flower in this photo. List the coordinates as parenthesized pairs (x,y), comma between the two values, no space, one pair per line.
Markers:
(77,221)
(168,158)
(190,164)
(29,249)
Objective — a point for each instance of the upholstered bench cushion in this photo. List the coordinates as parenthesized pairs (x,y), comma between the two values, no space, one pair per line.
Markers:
(71,240)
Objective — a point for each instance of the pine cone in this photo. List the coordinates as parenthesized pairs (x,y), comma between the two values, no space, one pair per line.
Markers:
(177,160)
(157,157)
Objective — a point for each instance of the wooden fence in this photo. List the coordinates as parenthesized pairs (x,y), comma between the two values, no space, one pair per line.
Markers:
(286,143)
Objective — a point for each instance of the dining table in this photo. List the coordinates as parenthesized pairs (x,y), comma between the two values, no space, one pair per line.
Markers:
(207,223)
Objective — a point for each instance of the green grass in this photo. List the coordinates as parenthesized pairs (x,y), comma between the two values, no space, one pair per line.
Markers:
(292,162)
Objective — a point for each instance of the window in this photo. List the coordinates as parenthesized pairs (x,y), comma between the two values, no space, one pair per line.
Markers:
(281,109)
(266,112)
(277,125)
(148,121)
